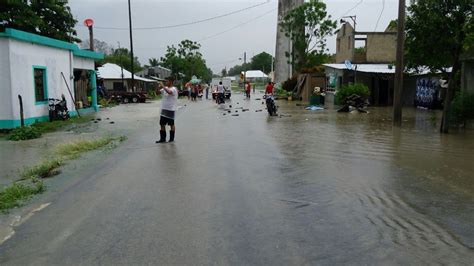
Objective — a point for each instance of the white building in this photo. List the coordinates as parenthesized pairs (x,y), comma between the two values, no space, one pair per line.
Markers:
(32,66)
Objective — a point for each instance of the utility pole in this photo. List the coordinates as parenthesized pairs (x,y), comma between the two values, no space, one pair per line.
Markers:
(131,44)
(399,67)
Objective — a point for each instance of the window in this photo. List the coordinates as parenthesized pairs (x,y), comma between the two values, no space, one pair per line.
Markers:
(40,83)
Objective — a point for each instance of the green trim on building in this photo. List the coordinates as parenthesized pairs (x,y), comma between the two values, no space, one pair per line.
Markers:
(9,124)
(45,82)
(94,89)
(46,41)
(28,121)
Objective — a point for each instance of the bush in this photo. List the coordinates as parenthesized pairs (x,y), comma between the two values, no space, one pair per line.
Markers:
(347,90)
(24,133)
(290,84)
(462,108)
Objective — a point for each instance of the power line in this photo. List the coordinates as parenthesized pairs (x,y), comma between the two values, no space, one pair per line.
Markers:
(237,26)
(380,15)
(352,8)
(227,30)
(187,23)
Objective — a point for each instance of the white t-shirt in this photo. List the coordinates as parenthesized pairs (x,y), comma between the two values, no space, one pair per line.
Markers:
(220,88)
(169,101)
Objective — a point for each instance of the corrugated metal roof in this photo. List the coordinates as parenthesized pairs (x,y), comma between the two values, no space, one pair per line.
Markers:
(366,68)
(113,71)
(383,69)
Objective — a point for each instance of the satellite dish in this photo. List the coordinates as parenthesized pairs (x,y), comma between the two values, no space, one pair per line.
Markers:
(88,22)
(348,64)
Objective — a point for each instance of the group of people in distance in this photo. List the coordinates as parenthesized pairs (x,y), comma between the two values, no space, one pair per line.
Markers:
(169,104)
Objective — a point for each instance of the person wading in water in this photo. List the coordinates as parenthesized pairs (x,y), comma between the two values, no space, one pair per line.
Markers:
(169,105)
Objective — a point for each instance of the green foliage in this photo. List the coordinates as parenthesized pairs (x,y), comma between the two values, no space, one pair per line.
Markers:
(46,168)
(13,196)
(262,61)
(462,108)
(24,133)
(186,59)
(153,62)
(290,84)
(48,18)
(73,149)
(45,127)
(347,90)
(437,31)
(359,50)
(121,57)
(308,26)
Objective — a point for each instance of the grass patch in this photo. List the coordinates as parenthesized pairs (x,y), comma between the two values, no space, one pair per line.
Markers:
(64,152)
(74,149)
(24,133)
(36,130)
(15,195)
(45,127)
(44,169)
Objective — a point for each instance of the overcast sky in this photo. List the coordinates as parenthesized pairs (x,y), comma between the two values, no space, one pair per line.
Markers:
(257,33)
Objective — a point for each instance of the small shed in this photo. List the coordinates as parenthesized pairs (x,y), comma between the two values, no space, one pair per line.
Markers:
(37,68)
(254,75)
(111,76)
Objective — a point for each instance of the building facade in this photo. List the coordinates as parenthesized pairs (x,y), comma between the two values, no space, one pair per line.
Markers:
(33,67)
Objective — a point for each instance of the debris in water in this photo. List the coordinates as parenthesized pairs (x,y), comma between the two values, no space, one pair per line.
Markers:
(259,110)
(112,122)
(314,108)
(235,115)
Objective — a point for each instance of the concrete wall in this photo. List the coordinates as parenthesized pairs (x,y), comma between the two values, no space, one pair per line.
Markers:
(83,63)
(282,68)
(381,47)
(345,43)
(23,57)
(5,81)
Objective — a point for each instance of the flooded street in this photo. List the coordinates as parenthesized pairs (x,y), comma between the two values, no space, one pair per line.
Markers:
(310,187)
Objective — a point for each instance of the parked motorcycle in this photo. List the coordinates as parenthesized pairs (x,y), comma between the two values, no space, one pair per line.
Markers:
(271,107)
(58,109)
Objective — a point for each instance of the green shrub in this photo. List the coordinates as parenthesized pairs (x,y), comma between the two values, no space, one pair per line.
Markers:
(24,133)
(347,90)
(462,108)
(290,84)
(14,195)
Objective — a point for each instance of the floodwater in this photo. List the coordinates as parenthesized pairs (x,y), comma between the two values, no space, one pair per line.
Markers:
(411,188)
(307,187)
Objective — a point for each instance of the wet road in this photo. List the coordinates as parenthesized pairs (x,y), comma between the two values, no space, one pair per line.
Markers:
(314,188)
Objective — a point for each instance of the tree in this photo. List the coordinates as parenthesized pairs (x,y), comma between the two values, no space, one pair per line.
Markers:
(262,61)
(307,26)
(186,59)
(99,46)
(121,57)
(224,72)
(437,33)
(47,18)
(153,62)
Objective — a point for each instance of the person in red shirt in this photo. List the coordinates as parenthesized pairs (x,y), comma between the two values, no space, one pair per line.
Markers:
(269,88)
(247,89)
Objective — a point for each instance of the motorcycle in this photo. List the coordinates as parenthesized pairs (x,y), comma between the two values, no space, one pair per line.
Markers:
(58,109)
(271,107)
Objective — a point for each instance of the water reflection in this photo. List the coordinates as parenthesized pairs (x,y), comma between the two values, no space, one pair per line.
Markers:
(405,191)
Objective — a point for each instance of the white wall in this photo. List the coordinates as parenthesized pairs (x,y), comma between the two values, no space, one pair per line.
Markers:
(23,56)
(83,63)
(5,82)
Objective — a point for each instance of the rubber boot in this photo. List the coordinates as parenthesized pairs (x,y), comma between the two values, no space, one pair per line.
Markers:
(172,135)
(162,136)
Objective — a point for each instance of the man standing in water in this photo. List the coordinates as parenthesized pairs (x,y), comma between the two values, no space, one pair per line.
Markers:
(169,104)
